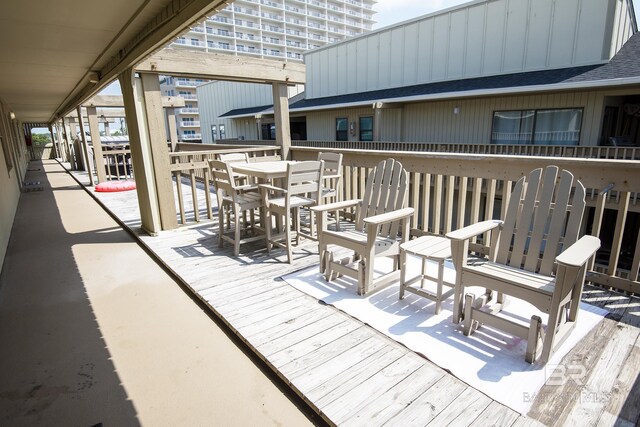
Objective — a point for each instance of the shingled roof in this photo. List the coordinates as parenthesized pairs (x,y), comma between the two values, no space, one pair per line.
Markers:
(623,66)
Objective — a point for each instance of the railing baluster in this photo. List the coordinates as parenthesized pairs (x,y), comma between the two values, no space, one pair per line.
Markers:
(426,202)
(415,198)
(621,219)
(448,210)
(437,203)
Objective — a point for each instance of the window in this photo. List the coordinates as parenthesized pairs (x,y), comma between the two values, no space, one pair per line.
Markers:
(541,127)
(222,132)
(366,128)
(189,132)
(214,133)
(342,129)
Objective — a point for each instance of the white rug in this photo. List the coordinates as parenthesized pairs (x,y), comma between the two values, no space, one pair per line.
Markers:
(489,361)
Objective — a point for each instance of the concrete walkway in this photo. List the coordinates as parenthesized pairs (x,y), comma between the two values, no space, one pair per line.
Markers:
(93,331)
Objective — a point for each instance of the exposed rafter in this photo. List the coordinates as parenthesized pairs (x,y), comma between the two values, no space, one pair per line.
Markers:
(219,66)
(167,24)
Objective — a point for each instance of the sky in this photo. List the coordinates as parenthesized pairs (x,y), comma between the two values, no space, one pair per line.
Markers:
(389,12)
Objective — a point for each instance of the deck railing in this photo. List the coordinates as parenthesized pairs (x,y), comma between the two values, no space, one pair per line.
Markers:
(449,191)
(191,161)
(117,161)
(597,152)
(42,152)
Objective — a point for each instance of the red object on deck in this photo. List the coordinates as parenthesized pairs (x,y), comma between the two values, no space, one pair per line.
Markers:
(113,186)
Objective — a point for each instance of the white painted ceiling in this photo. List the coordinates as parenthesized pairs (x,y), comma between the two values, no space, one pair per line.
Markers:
(47,47)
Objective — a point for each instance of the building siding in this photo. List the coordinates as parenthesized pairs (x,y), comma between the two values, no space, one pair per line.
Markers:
(476,39)
(436,122)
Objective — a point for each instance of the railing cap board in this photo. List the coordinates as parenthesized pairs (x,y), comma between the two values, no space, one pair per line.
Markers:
(594,173)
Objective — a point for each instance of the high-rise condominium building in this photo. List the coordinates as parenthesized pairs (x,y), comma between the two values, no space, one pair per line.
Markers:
(282,29)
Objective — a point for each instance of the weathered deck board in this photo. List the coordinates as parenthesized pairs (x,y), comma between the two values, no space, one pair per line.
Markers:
(352,374)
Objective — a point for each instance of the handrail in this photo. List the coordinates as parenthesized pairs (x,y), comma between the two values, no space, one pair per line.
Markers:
(597,152)
(450,190)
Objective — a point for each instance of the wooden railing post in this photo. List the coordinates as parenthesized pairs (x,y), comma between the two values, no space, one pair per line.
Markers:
(94,130)
(88,163)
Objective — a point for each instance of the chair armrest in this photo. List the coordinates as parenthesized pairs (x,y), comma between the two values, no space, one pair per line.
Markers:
(580,252)
(272,188)
(473,230)
(389,216)
(336,206)
(247,187)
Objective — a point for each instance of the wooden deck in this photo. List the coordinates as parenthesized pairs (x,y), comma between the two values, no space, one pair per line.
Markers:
(352,374)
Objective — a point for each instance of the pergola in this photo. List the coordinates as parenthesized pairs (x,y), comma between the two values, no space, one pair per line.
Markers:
(121,41)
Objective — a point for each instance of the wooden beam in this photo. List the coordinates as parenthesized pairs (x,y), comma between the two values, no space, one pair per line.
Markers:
(172,18)
(159,150)
(111,101)
(108,113)
(88,166)
(281,118)
(217,66)
(94,130)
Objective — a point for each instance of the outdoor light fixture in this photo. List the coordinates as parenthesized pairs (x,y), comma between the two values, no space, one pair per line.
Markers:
(12,115)
(93,77)
(456,110)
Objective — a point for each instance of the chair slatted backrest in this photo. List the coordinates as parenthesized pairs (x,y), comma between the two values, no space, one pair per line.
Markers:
(223,178)
(543,218)
(305,178)
(234,157)
(386,190)
(332,163)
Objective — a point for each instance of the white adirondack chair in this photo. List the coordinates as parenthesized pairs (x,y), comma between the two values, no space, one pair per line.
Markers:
(380,215)
(535,255)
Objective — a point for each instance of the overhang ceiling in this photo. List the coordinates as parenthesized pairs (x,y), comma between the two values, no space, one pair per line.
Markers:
(49,47)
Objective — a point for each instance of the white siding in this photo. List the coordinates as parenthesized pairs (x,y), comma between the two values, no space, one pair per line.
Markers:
(217,98)
(436,122)
(321,125)
(484,37)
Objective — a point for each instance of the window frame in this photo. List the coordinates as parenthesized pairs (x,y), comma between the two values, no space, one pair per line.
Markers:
(368,130)
(346,131)
(531,140)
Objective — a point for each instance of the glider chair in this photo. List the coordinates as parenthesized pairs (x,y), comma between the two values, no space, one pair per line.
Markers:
(380,216)
(535,256)
(237,201)
(302,188)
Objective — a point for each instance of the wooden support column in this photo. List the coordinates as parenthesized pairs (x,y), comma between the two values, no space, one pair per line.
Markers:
(76,156)
(53,141)
(173,128)
(67,142)
(88,161)
(106,128)
(377,119)
(94,130)
(149,151)
(281,117)
(59,141)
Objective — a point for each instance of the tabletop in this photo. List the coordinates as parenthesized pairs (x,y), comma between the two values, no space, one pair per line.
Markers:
(263,170)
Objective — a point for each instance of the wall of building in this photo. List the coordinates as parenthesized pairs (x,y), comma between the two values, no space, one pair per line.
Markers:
(436,121)
(481,38)
(9,176)
(219,97)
